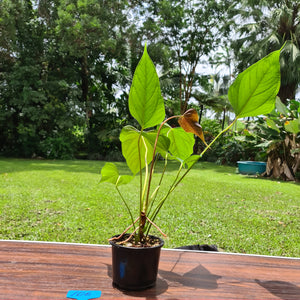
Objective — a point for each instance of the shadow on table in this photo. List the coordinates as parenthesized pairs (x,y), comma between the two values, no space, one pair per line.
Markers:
(281,289)
(152,293)
(199,277)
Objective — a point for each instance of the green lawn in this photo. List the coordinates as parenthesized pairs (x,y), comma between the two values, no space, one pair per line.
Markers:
(63,201)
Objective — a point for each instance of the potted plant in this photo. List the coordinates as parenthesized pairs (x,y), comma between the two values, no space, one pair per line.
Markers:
(253,93)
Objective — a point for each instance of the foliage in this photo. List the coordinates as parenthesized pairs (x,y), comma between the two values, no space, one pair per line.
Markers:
(58,147)
(211,129)
(58,70)
(262,27)
(279,135)
(33,100)
(141,147)
(238,144)
(96,43)
(214,97)
(66,64)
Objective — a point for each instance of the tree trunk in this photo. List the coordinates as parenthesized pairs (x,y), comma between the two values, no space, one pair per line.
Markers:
(85,88)
(201,112)
(223,120)
(287,92)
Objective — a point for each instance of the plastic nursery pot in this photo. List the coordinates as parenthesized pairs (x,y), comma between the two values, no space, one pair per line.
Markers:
(135,268)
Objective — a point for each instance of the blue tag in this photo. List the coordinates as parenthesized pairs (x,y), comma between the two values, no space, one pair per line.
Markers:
(83,295)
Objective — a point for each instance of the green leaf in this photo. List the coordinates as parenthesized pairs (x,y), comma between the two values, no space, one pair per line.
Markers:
(110,173)
(265,144)
(254,90)
(163,142)
(146,104)
(182,143)
(190,161)
(292,126)
(132,140)
(295,107)
(281,108)
(272,124)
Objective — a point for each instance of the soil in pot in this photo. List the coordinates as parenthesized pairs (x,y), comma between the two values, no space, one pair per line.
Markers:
(135,267)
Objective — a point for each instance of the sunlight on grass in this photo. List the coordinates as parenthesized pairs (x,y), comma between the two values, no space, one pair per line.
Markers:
(63,201)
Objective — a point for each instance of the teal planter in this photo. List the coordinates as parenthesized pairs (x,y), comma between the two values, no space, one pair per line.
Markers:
(251,167)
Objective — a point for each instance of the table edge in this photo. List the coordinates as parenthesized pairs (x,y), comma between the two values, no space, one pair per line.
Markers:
(163,249)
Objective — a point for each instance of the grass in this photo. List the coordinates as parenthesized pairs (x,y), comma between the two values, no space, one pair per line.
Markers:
(63,201)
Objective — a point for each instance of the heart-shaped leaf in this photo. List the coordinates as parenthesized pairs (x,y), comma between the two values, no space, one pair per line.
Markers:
(190,161)
(132,141)
(181,142)
(146,104)
(130,138)
(163,142)
(110,173)
(189,122)
(254,90)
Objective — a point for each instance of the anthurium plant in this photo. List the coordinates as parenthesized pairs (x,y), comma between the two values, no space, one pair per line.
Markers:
(252,93)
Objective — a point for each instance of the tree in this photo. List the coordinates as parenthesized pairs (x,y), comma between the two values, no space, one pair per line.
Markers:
(186,31)
(95,40)
(62,63)
(93,35)
(36,116)
(264,26)
(21,84)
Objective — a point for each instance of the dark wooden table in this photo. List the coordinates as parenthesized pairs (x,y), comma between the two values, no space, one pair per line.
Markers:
(37,270)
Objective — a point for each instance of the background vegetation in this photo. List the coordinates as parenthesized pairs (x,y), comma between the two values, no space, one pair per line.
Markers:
(62,201)
(66,67)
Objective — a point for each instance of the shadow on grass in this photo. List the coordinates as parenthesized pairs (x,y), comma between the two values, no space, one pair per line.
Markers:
(91,166)
(209,166)
(11,165)
(85,166)
(264,178)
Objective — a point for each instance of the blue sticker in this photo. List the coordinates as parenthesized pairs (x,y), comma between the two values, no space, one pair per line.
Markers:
(83,295)
(122,269)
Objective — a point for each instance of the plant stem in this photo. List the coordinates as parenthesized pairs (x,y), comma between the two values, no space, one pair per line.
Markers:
(162,201)
(141,182)
(143,216)
(154,194)
(144,208)
(220,133)
(153,158)
(131,216)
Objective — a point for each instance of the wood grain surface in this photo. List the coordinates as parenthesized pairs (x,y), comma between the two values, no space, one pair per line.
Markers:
(33,270)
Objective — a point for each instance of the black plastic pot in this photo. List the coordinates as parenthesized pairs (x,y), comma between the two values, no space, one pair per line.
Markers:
(135,268)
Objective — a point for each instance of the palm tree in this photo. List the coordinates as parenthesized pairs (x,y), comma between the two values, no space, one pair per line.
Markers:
(264,26)
(214,96)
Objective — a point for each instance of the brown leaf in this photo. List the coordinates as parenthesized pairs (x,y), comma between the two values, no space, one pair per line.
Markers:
(189,122)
